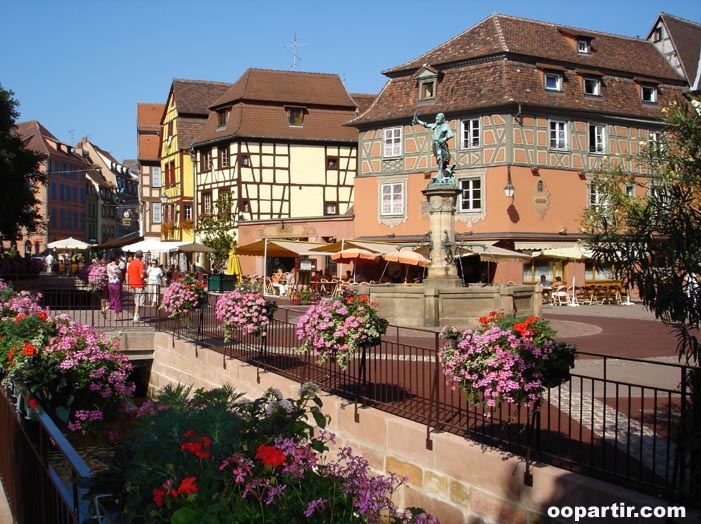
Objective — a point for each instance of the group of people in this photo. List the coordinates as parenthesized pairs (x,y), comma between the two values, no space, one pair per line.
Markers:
(140,279)
(284,281)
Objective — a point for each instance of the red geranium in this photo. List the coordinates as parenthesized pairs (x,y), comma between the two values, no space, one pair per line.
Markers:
(188,486)
(270,455)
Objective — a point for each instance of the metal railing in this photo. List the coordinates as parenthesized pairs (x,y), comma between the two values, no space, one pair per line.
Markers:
(620,430)
(599,422)
(41,472)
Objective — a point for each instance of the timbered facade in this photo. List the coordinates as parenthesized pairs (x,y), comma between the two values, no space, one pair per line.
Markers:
(535,104)
(276,141)
(148,117)
(185,114)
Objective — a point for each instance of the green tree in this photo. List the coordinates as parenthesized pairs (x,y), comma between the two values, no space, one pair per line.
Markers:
(654,243)
(218,229)
(21,175)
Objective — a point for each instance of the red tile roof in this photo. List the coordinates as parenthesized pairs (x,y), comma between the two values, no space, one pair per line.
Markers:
(193,97)
(287,87)
(499,62)
(148,116)
(258,102)
(686,37)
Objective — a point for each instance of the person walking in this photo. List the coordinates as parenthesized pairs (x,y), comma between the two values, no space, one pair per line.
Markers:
(114,287)
(154,279)
(135,279)
(49,263)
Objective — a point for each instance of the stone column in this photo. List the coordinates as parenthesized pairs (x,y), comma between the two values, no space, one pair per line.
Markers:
(442,273)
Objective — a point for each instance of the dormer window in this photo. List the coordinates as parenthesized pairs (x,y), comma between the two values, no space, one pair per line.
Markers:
(223,118)
(583,46)
(553,81)
(427,90)
(427,78)
(592,86)
(295,116)
(648,93)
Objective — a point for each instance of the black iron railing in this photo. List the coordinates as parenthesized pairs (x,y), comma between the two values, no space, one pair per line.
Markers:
(618,428)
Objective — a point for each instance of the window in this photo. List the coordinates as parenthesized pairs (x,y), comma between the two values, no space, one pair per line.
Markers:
(295,116)
(224,156)
(205,161)
(592,86)
(427,90)
(223,118)
(187,211)
(648,93)
(597,138)
(156,177)
(331,162)
(657,34)
(393,142)
(553,81)
(470,194)
(629,190)
(207,203)
(392,199)
(245,160)
(156,213)
(330,208)
(558,135)
(583,46)
(470,133)
(597,200)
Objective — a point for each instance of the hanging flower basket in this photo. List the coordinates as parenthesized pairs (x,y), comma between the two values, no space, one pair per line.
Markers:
(506,359)
(334,330)
(183,296)
(250,313)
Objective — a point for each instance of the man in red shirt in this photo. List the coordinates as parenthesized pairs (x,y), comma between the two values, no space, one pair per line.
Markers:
(135,279)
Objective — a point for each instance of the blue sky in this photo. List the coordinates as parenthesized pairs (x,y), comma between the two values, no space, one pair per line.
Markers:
(81,67)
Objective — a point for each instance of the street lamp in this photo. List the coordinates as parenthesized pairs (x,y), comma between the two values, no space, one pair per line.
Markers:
(509,189)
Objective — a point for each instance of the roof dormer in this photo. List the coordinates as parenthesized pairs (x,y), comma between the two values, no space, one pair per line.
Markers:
(427,78)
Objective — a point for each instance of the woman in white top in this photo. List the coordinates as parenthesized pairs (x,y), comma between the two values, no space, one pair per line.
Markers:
(154,279)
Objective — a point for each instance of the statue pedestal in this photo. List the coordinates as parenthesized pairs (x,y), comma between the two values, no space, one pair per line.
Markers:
(442,273)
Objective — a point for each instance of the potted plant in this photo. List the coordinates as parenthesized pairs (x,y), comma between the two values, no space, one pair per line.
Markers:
(213,457)
(247,311)
(507,359)
(183,296)
(334,330)
(70,368)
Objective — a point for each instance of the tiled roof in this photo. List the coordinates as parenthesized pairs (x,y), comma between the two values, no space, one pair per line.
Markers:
(193,97)
(500,34)
(686,37)
(149,147)
(500,61)
(148,116)
(33,133)
(287,87)
(363,101)
(259,100)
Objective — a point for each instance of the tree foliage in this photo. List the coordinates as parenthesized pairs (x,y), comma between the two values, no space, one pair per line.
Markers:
(218,229)
(21,175)
(653,238)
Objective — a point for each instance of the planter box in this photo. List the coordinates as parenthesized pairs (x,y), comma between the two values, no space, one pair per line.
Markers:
(221,283)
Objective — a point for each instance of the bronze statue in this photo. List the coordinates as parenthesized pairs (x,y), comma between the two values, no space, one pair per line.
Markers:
(441,134)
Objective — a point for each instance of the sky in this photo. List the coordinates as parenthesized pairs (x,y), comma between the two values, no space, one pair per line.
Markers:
(81,68)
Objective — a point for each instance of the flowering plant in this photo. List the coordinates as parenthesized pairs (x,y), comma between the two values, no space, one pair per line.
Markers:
(247,311)
(187,294)
(97,276)
(230,459)
(334,330)
(65,365)
(507,358)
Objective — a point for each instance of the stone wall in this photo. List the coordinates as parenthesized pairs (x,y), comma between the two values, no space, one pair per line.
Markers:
(420,306)
(458,480)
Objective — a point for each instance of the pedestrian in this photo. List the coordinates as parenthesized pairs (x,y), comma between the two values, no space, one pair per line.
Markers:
(114,287)
(49,262)
(135,279)
(154,280)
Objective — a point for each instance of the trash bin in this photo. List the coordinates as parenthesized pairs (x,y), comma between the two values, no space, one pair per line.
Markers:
(221,283)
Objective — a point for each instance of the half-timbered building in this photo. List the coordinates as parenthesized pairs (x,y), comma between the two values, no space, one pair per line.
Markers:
(278,143)
(148,125)
(532,105)
(186,112)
